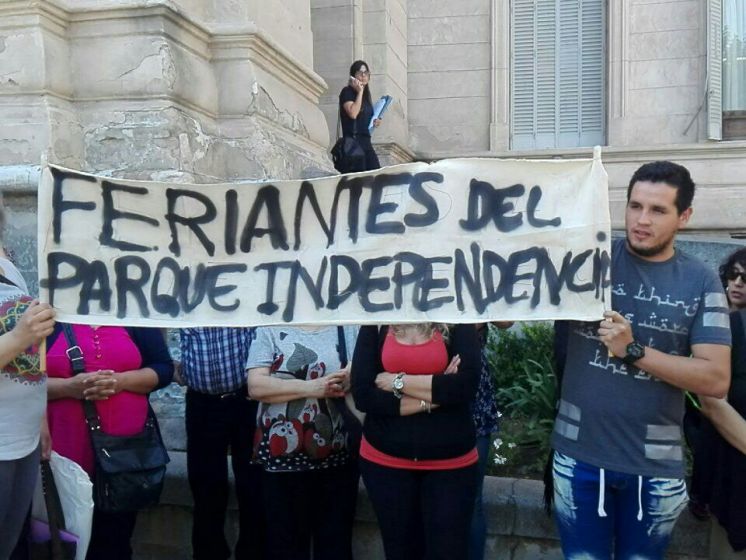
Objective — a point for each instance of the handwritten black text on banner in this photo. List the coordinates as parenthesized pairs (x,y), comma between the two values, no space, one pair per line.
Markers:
(455,241)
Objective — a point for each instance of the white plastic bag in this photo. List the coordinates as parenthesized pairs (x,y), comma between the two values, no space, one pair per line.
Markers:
(76,496)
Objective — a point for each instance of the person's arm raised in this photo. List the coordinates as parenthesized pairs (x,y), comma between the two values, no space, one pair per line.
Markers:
(36,323)
(353,108)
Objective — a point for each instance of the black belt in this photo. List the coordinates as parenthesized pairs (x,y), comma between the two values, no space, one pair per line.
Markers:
(240,393)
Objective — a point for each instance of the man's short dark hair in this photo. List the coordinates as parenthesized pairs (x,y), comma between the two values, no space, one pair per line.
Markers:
(670,173)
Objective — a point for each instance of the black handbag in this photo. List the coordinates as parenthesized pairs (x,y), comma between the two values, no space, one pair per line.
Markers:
(58,545)
(347,154)
(130,470)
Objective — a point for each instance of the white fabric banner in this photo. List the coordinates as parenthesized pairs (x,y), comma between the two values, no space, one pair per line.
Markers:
(457,241)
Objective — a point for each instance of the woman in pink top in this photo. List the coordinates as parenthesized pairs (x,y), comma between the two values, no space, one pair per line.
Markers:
(122,366)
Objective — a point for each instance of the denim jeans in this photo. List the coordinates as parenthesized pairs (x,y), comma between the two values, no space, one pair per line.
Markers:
(599,511)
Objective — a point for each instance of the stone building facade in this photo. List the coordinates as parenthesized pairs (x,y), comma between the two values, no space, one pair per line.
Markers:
(226,90)
(650,72)
(195,91)
(204,91)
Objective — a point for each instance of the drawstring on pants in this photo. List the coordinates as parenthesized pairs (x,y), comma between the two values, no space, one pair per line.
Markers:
(601,492)
(639,497)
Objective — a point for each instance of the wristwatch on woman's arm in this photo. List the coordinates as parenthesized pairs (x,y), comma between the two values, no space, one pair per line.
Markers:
(398,385)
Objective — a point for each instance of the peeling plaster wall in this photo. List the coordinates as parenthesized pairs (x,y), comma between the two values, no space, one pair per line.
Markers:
(148,89)
(175,90)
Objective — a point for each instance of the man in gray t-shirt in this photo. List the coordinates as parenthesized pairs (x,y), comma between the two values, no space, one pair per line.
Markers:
(618,466)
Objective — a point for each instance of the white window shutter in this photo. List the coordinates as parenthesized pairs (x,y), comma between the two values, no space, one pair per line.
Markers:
(523,67)
(546,97)
(557,81)
(714,70)
(592,82)
(570,73)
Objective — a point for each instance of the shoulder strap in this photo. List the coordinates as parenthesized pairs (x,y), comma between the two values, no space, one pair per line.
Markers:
(342,347)
(5,280)
(73,352)
(75,355)
(55,515)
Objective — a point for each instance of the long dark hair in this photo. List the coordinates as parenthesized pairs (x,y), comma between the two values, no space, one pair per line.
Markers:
(354,69)
(738,257)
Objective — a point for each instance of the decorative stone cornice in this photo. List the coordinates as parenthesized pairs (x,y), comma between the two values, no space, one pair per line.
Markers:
(19,178)
(210,41)
(27,13)
(616,154)
(229,43)
(397,152)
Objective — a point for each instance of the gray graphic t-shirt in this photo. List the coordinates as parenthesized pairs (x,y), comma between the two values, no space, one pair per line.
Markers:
(303,434)
(617,416)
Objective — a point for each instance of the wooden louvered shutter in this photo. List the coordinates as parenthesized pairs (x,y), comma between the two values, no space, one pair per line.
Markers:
(557,73)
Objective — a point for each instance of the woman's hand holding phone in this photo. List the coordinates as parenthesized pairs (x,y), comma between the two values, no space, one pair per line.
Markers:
(356,85)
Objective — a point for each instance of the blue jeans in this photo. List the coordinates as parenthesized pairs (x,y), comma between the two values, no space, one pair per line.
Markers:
(478,534)
(629,515)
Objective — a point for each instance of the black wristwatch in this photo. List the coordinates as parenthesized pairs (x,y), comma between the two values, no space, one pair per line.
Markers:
(635,351)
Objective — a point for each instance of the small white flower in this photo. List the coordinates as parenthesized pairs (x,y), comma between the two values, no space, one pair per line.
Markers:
(497,443)
(500,460)
(511,445)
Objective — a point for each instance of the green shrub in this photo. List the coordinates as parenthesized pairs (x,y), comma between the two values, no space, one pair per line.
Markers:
(514,351)
(521,361)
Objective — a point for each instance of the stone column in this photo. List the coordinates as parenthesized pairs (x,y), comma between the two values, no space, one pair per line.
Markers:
(385,49)
(375,31)
(337,42)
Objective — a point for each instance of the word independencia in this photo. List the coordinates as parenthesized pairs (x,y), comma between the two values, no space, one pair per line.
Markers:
(380,284)
(455,240)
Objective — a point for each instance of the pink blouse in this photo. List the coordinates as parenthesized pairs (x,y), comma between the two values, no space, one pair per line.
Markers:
(123,414)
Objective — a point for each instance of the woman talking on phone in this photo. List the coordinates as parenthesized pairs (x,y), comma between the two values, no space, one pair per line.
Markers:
(356,111)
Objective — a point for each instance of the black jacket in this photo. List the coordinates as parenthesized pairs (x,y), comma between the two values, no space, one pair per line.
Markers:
(445,433)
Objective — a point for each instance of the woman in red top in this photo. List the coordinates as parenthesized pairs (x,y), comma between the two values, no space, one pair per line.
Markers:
(418,457)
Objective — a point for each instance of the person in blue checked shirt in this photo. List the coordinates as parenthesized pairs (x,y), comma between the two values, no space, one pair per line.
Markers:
(220,422)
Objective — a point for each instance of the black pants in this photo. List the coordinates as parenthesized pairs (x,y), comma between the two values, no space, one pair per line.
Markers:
(111,535)
(214,425)
(311,509)
(422,514)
